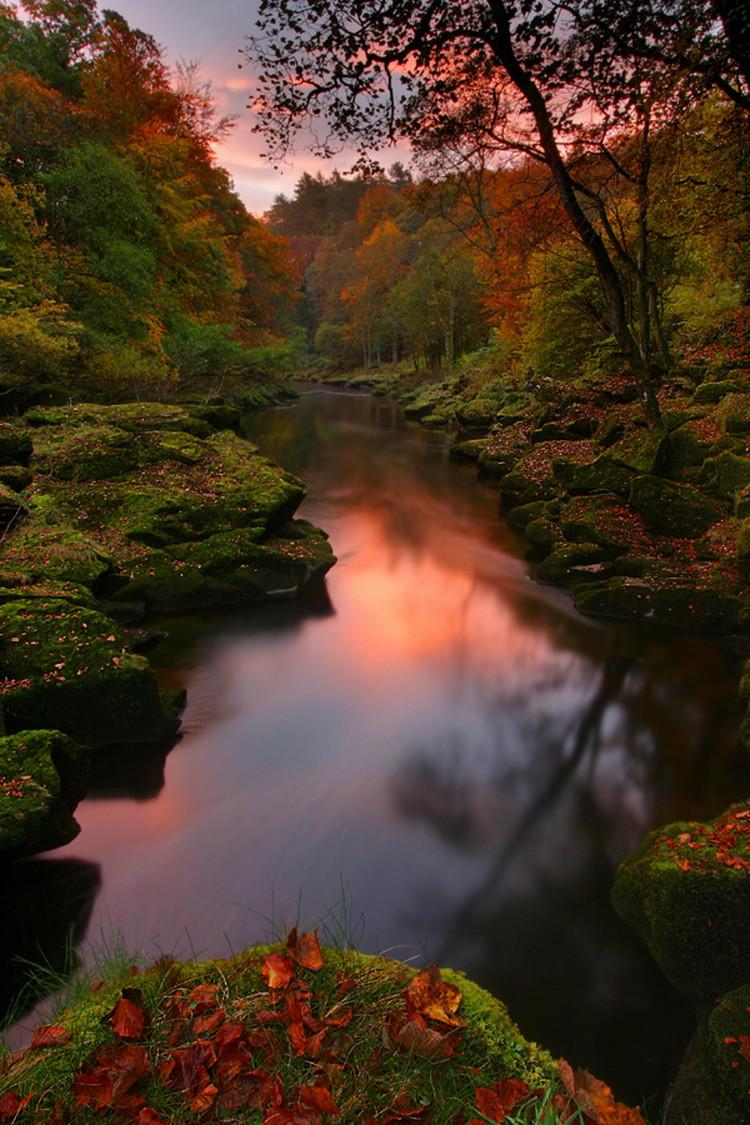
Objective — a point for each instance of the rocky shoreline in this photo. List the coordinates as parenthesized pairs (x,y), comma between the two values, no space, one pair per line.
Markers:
(109,513)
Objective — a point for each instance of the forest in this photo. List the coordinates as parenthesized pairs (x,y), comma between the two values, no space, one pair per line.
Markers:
(375,571)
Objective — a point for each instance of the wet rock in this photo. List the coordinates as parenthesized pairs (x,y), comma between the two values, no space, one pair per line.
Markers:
(467,450)
(42,778)
(686,893)
(678,604)
(567,562)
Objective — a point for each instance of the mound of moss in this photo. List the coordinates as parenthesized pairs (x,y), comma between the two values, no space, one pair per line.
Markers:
(686,893)
(293,1034)
(42,779)
(67,667)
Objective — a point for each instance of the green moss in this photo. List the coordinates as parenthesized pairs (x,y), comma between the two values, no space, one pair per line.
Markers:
(67,667)
(677,510)
(643,451)
(42,777)
(132,416)
(503,450)
(570,561)
(708,393)
(678,604)
(604,519)
(468,450)
(37,552)
(686,893)
(600,475)
(13,508)
(734,413)
(83,452)
(726,474)
(372,1074)
(16,477)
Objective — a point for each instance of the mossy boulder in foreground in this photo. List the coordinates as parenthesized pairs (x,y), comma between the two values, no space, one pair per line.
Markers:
(292,1034)
(686,893)
(42,778)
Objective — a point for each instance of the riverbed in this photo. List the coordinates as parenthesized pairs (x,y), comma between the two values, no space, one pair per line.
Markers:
(433,757)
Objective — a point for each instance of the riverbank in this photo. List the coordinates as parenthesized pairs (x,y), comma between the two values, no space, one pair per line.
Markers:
(110,513)
(294,1034)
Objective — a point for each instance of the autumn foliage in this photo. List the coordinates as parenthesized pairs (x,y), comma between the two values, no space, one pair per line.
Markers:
(305,1041)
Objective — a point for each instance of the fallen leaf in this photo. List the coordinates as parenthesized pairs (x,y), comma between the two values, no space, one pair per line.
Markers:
(278,970)
(495,1101)
(128,1017)
(413,1036)
(305,950)
(50,1037)
(149,1116)
(11,1104)
(318,1097)
(434,998)
(204,1099)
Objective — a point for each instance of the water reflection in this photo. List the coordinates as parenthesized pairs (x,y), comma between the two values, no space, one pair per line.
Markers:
(453,744)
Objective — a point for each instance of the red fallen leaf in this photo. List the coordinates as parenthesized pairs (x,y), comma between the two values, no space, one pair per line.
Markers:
(494,1101)
(12,1104)
(403,1110)
(339,1019)
(149,1116)
(433,997)
(318,1097)
(314,1044)
(413,1036)
(50,1037)
(128,1018)
(345,982)
(595,1098)
(305,950)
(204,1099)
(278,970)
(185,1068)
(116,1072)
(204,1025)
(205,998)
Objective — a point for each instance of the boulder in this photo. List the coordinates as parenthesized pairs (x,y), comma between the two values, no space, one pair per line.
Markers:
(707,393)
(677,510)
(686,893)
(43,776)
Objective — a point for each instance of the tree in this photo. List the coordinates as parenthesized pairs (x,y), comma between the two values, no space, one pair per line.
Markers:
(494,71)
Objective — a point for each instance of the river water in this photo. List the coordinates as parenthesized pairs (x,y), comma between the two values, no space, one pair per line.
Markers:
(436,757)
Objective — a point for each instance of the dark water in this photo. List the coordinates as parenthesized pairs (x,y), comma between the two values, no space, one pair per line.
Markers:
(439,758)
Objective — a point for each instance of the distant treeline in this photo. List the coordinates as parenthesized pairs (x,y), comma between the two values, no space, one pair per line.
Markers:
(484,258)
(126,259)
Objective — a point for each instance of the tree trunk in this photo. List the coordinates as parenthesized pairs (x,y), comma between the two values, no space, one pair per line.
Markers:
(608,276)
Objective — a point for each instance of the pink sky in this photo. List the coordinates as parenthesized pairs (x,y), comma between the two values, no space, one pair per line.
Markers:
(213,34)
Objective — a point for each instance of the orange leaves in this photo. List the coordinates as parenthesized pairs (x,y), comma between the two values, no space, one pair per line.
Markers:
(595,1099)
(432,997)
(278,970)
(11,1104)
(50,1037)
(128,1017)
(496,1101)
(109,1082)
(305,950)
(427,998)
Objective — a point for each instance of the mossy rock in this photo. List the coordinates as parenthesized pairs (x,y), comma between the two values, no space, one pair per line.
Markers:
(699,1094)
(677,510)
(467,450)
(55,589)
(373,1070)
(600,475)
(691,443)
(643,451)
(726,474)
(604,519)
(542,532)
(571,561)
(83,452)
(13,508)
(219,416)
(43,776)
(564,429)
(535,476)
(15,444)
(16,477)
(503,451)
(679,604)
(742,502)
(135,417)
(38,552)
(686,893)
(707,393)
(67,667)
(734,413)
(523,514)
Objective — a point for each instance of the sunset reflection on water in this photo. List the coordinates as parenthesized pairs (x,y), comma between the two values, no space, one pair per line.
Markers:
(445,740)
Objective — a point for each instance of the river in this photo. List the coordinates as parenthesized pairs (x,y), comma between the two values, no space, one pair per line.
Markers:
(436,757)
